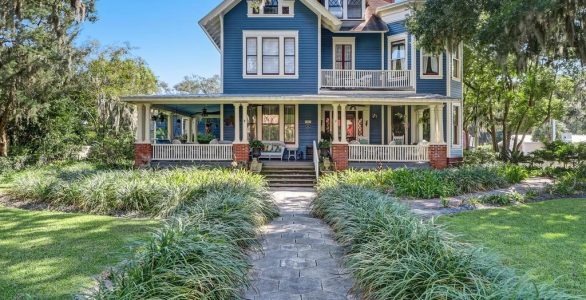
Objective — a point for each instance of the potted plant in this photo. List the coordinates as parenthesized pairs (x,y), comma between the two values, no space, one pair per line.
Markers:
(324,148)
(205,138)
(256,147)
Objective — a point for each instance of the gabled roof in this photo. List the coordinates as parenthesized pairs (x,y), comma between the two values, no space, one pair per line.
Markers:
(212,22)
(372,23)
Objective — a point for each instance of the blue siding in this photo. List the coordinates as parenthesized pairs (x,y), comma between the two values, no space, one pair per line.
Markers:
(305,21)
(456,89)
(228,130)
(307,133)
(459,152)
(431,86)
(375,125)
(368,50)
(396,27)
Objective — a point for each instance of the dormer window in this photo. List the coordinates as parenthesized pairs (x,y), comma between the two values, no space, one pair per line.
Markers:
(270,8)
(346,9)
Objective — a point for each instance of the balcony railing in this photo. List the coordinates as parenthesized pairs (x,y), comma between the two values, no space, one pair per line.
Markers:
(366,79)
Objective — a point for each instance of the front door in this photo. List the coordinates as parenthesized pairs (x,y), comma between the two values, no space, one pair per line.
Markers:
(356,122)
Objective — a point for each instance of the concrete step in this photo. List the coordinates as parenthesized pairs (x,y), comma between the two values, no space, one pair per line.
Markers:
(298,185)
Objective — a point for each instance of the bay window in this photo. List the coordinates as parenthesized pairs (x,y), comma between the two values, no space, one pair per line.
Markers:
(431,65)
(270,54)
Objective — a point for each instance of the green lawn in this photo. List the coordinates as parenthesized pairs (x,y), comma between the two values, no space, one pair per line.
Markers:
(52,255)
(547,239)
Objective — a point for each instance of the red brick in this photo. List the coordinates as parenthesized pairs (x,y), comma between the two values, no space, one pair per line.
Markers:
(241,152)
(438,156)
(143,154)
(340,156)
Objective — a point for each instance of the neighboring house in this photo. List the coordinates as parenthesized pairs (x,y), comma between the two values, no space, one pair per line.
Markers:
(293,70)
(529,145)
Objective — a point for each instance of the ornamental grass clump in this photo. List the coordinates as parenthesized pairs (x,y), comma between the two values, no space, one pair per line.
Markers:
(393,254)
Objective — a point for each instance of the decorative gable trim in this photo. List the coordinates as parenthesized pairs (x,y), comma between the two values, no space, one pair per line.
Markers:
(212,25)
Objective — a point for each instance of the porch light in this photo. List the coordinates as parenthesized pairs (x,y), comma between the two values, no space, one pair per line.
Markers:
(204,112)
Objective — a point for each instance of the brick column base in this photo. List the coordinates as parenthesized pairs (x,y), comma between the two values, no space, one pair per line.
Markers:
(241,152)
(438,156)
(340,156)
(143,154)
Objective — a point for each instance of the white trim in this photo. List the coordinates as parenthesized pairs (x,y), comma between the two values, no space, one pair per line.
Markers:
(221,122)
(413,62)
(440,66)
(259,35)
(395,38)
(319,51)
(222,55)
(382,51)
(337,40)
(448,73)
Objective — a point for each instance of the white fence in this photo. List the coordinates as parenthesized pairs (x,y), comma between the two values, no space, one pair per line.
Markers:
(193,152)
(366,79)
(388,153)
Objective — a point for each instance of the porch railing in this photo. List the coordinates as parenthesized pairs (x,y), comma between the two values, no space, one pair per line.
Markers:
(193,152)
(388,153)
(316,160)
(366,79)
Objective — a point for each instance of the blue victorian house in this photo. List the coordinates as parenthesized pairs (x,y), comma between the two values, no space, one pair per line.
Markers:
(295,72)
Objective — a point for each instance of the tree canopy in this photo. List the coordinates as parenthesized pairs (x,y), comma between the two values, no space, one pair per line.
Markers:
(525,29)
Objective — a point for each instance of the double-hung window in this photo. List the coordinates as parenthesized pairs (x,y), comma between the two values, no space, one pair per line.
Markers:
(398,56)
(431,65)
(456,134)
(271,8)
(289,124)
(456,63)
(270,122)
(271,54)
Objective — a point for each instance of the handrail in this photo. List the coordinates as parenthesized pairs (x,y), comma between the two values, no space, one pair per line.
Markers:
(316,160)
(367,79)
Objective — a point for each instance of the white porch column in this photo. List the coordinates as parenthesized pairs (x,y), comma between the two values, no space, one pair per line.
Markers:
(244,122)
(170,126)
(236,122)
(147,123)
(406,126)
(420,125)
(336,137)
(139,138)
(440,123)
(432,124)
(382,123)
(413,124)
(344,126)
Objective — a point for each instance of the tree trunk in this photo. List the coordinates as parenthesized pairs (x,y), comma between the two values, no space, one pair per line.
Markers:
(3,140)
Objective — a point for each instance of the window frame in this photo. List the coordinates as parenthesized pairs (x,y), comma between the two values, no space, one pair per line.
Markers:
(263,55)
(390,41)
(344,4)
(456,142)
(277,123)
(294,124)
(281,4)
(260,36)
(344,41)
(422,75)
(459,59)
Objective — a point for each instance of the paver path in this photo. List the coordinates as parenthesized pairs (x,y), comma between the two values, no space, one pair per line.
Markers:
(428,208)
(300,260)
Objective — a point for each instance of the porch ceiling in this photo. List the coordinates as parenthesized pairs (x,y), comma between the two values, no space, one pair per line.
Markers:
(199,100)
(189,109)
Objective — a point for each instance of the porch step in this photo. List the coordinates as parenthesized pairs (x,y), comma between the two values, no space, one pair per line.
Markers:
(296,174)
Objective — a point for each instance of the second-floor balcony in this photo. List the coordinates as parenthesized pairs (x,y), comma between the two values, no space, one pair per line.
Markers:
(366,79)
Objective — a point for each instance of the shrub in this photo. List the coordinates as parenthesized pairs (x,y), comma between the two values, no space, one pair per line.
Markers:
(395,255)
(502,199)
(420,183)
(513,173)
(480,156)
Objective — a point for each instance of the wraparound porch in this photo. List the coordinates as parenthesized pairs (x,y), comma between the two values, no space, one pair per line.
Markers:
(373,129)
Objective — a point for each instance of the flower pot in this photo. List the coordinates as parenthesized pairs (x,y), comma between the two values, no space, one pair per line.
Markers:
(324,152)
(256,152)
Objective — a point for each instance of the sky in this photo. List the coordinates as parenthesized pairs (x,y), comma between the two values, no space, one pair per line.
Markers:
(164,33)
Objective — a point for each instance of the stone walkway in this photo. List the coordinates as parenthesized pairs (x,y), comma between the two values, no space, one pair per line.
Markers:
(300,260)
(428,208)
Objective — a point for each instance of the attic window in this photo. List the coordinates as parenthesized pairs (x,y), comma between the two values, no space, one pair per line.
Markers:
(270,8)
